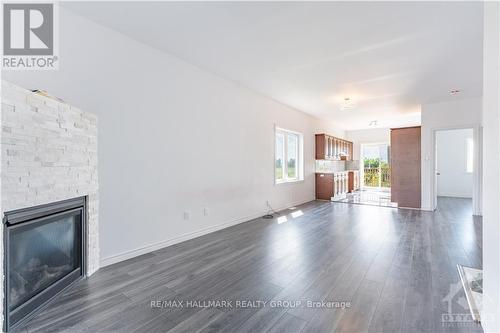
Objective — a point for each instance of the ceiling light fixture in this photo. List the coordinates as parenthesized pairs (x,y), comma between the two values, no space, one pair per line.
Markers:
(454,92)
(347,104)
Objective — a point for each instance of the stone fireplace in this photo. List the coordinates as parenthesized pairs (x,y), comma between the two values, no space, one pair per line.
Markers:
(49,199)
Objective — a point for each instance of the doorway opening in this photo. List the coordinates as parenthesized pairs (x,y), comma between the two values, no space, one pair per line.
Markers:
(374,176)
(376,167)
(454,168)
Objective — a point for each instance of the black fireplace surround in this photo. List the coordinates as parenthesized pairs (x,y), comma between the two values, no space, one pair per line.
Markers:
(44,253)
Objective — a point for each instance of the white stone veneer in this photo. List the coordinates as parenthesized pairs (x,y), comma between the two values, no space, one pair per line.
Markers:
(49,153)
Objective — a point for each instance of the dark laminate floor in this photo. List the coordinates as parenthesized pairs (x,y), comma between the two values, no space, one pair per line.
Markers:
(394,266)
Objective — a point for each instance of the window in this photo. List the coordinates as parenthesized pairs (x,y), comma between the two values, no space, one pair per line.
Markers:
(470,155)
(280,156)
(288,166)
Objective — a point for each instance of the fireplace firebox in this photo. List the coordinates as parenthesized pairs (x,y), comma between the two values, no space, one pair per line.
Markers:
(44,253)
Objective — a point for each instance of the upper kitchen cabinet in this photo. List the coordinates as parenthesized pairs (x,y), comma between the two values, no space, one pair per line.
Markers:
(331,148)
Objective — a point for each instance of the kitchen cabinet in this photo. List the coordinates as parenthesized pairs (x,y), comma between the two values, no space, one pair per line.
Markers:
(331,185)
(353,181)
(324,186)
(331,148)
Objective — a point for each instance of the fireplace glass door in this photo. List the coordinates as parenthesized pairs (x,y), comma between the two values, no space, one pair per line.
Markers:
(43,256)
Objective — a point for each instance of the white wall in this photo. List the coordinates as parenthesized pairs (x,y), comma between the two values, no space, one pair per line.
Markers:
(329,128)
(374,135)
(172,138)
(464,113)
(454,180)
(491,185)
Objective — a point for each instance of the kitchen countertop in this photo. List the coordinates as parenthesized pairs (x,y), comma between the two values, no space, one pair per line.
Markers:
(332,172)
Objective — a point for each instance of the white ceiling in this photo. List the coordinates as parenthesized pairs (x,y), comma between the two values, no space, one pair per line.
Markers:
(388,57)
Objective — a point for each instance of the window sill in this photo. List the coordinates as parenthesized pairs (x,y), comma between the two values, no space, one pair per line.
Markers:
(288,182)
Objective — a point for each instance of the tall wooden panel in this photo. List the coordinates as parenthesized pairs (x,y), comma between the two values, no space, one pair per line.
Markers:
(405,167)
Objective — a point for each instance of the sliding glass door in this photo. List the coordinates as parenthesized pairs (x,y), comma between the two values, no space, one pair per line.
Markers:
(376,168)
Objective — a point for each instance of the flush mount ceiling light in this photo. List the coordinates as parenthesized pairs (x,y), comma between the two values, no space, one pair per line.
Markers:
(454,91)
(373,123)
(347,104)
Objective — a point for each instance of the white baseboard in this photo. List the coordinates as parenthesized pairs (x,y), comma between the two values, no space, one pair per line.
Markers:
(455,196)
(171,241)
(414,208)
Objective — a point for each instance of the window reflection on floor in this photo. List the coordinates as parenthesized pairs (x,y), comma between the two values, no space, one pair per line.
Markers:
(293,215)
(297,213)
(282,219)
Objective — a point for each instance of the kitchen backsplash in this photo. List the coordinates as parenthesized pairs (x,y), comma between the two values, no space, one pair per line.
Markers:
(329,166)
(336,166)
(352,165)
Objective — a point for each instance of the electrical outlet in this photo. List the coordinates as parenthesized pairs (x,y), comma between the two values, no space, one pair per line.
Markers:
(206,211)
(187,215)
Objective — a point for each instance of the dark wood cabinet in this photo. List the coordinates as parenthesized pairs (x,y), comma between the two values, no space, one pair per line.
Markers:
(353,181)
(331,185)
(331,148)
(406,166)
(322,147)
(324,186)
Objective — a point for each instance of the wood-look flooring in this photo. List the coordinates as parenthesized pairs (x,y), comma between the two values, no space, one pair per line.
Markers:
(394,266)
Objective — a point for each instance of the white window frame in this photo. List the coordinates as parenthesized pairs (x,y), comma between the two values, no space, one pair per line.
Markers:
(300,156)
